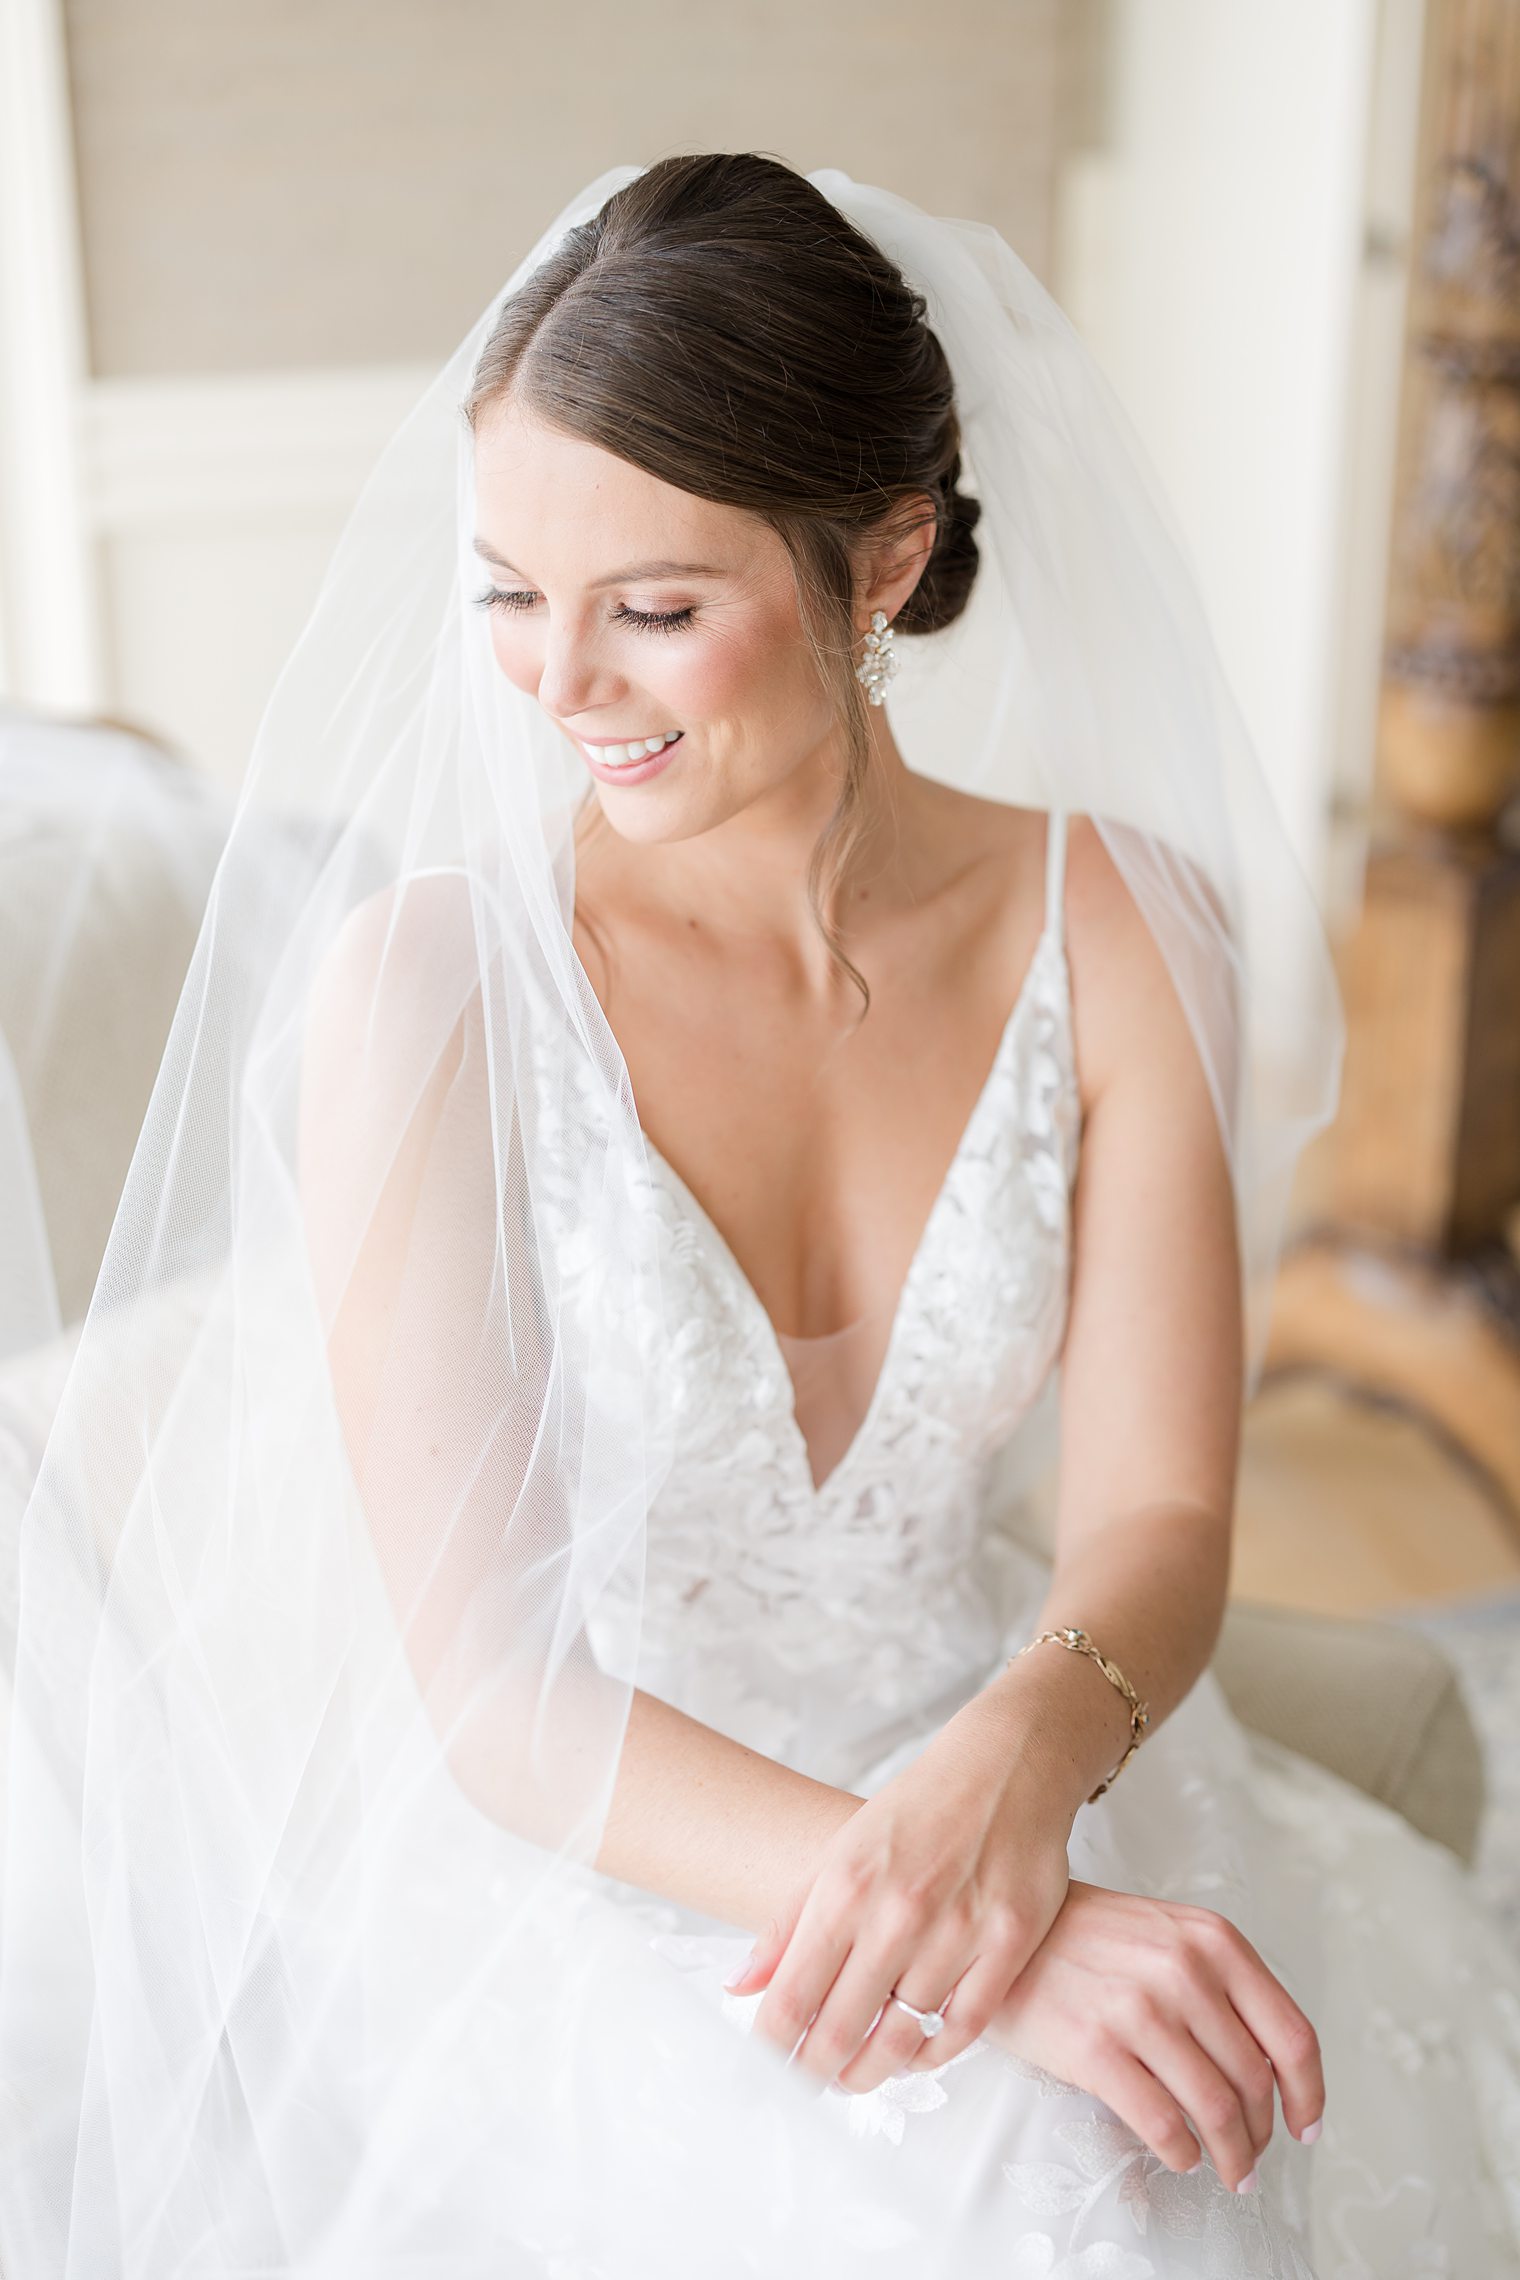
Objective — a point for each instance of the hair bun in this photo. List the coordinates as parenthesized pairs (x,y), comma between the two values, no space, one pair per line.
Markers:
(944,588)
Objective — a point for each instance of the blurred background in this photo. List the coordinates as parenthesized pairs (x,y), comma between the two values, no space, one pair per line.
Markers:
(236,237)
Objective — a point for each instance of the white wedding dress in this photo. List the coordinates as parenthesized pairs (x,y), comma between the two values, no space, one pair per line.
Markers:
(599,2115)
(835,1623)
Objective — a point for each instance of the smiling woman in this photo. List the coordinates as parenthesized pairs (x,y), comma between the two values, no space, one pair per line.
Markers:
(802,506)
(444,1650)
(708,637)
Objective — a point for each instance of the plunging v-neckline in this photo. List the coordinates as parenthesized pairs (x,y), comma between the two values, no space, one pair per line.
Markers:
(1049,941)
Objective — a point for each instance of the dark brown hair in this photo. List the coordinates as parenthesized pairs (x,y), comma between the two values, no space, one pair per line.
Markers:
(722,325)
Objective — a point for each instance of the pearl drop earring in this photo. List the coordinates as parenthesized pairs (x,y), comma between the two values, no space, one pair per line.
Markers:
(880,662)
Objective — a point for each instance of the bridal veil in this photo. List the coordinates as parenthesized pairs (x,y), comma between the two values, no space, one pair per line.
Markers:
(317,1706)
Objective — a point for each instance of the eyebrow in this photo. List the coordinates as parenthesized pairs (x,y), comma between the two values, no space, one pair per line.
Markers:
(631,572)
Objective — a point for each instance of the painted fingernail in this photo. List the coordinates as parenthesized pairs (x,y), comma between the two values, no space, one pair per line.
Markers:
(742,1972)
(1247,2184)
(1308,2136)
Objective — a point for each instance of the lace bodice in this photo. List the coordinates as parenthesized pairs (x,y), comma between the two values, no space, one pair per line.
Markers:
(816,1622)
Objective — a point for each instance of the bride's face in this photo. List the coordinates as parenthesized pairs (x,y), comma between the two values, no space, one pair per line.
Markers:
(633,611)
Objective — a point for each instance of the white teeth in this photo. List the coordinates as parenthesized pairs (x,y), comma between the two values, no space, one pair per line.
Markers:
(624,755)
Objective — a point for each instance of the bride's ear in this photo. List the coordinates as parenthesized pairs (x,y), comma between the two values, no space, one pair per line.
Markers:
(896,555)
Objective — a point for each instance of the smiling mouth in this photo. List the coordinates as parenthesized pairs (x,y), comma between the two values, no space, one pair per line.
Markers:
(628,755)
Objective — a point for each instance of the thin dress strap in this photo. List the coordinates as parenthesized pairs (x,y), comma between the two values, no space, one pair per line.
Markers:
(1055,872)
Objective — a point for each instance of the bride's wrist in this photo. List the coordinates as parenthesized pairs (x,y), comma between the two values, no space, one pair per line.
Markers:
(1011,1735)
(816,1813)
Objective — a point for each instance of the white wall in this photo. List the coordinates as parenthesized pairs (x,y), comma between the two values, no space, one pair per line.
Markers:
(215,503)
(1213,245)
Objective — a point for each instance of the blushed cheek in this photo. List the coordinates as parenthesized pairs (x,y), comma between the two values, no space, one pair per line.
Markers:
(702,680)
(515,660)
(755,685)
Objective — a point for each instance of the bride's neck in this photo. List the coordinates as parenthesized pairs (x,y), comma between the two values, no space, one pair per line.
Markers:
(753,868)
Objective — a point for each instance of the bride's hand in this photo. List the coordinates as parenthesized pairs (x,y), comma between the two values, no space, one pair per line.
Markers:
(1164,2012)
(947,1878)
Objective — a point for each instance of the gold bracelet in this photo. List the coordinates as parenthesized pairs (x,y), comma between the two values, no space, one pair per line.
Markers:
(1139,1715)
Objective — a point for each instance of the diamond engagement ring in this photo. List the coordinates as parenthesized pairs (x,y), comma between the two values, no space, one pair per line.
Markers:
(929,2022)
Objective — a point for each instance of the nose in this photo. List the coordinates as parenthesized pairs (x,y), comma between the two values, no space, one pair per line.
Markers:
(572,680)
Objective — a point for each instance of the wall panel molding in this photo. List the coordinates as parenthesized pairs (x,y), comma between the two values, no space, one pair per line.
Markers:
(163,453)
(49,634)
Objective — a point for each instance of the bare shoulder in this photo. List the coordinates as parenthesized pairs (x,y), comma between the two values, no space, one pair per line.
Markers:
(1127,1014)
(384,1036)
(408,946)
(1104,922)
(392,1005)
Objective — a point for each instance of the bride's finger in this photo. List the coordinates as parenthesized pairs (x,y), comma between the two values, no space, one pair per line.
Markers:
(1207,2096)
(815,1952)
(968,2006)
(935,1972)
(1221,2032)
(855,2001)
(1117,2077)
(1283,2031)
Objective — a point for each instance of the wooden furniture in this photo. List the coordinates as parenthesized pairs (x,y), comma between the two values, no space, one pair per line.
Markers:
(1408,1287)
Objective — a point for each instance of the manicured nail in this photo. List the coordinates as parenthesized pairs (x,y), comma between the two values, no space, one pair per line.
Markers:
(734,1978)
(1308,2136)
(1247,2184)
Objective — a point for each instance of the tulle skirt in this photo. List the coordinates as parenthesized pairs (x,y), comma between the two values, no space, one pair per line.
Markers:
(990,2166)
(604,2115)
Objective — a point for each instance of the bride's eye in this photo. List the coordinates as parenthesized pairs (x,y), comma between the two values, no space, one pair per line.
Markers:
(496,598)
(655,621)
(648,621)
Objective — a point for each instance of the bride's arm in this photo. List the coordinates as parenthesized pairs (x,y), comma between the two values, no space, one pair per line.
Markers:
(1151,1373)
(1151,1368)
(702,1819)
(399,1190)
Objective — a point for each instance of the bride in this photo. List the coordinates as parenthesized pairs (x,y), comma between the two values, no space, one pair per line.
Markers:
(536,1745)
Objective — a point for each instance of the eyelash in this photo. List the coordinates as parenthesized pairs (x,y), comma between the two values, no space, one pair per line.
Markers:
(648,621)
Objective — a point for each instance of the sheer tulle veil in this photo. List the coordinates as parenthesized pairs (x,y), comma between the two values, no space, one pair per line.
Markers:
(317,1704)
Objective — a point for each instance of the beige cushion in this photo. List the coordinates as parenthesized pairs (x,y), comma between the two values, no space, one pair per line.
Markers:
(107,849)
(1376,1703)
